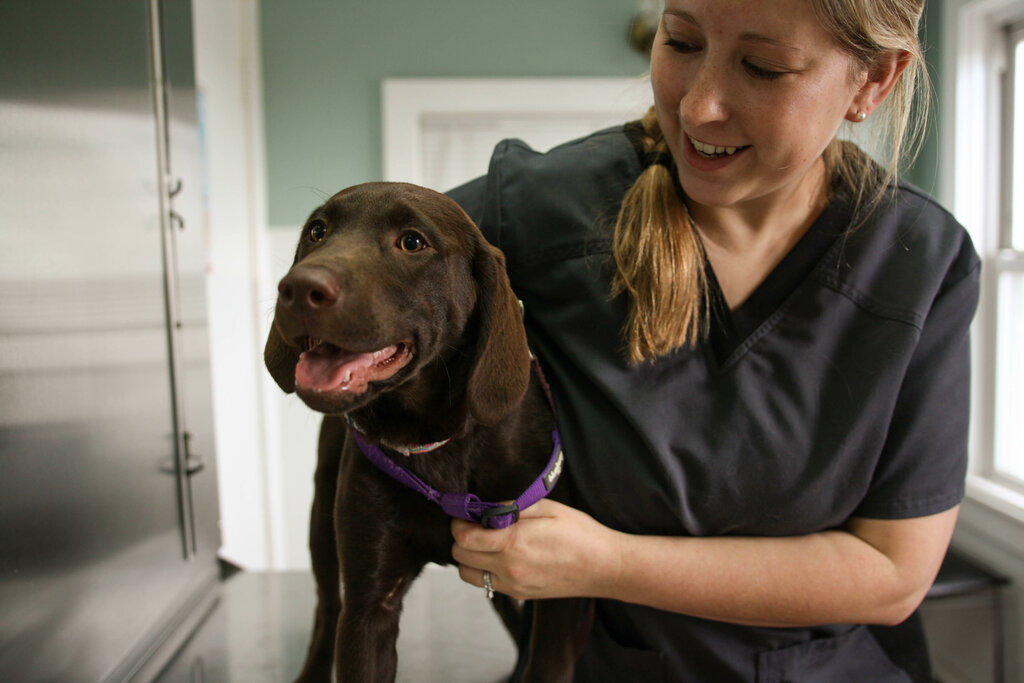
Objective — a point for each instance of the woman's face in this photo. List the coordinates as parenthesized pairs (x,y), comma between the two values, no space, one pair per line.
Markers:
(748,94)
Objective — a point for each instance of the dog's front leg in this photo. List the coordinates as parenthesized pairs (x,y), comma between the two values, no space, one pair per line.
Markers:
(324,554)
(378,565)
(368,627)
(553,641)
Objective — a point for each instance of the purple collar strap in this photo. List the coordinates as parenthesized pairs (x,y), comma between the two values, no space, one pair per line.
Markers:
(468,506)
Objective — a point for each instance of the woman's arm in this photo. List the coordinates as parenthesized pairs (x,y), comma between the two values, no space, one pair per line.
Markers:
(872,571)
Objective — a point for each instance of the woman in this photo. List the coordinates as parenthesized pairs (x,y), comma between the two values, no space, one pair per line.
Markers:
(759,356)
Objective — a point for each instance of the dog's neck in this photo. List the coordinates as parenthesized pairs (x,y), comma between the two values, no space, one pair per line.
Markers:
(402,432)
(406,450)
(411,419)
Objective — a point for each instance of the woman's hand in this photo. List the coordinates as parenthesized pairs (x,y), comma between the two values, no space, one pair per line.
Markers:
(553,551)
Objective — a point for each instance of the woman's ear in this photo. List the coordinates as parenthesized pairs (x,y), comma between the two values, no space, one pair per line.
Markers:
(881,79)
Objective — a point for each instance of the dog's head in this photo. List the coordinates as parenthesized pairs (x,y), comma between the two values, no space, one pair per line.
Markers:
(394,293)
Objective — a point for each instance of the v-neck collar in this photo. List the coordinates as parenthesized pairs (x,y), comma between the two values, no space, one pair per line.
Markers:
(728,329)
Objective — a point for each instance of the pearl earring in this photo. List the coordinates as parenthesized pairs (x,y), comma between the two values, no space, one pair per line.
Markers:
(861,116)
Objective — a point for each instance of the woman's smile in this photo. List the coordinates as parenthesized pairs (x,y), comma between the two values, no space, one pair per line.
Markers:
(707,157)
(710,151)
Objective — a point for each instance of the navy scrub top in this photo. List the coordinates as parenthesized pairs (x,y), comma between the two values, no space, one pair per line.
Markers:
(839,389)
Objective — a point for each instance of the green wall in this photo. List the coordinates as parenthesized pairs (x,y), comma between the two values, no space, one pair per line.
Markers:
(925,171)
(323,63)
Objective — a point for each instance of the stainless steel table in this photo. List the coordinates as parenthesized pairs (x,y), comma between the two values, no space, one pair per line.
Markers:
(258,630)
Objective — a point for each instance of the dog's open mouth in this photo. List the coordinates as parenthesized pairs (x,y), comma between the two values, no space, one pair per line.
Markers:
(325,368)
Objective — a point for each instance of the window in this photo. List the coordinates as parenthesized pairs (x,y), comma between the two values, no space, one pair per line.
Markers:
(982,182)
(1008,460)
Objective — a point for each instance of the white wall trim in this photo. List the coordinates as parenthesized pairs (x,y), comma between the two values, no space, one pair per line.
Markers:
(1001,499)
(229,80)
(273,531)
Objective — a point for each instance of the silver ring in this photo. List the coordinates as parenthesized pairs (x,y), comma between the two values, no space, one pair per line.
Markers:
(487,586)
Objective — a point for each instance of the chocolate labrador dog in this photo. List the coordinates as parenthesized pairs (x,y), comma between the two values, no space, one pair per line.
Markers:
(398,323)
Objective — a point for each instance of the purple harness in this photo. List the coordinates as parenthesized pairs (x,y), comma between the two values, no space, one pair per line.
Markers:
(468,506)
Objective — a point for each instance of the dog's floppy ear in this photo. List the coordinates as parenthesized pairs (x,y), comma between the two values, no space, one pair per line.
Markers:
(500,371)
(280,359)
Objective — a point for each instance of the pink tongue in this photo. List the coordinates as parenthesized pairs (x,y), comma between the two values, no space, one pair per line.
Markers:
(327,368)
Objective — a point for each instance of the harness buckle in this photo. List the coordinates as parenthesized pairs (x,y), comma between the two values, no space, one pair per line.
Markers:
(487,515)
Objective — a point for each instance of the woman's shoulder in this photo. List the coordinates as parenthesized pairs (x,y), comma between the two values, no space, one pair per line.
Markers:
(907,253)
(596,153)
(554,202)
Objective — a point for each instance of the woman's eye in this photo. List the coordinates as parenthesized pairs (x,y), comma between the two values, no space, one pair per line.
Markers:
(317,231)
(411,242)
(765,74)
(681,46)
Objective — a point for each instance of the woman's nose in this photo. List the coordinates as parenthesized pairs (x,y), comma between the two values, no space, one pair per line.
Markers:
(705,100)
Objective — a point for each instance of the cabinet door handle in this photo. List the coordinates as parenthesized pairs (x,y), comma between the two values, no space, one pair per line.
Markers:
(193,465)
(174,189)
(176,219)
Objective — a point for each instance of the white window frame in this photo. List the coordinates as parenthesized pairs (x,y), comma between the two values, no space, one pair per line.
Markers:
(971,184)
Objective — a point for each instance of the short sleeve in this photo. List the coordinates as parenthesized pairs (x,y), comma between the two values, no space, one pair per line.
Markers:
(923,463)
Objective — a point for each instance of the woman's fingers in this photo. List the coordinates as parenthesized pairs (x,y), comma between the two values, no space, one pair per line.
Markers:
(475,577)
(475,538)
(528,559)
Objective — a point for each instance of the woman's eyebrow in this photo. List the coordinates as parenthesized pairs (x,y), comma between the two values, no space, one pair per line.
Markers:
(751,36)
(774,42)
(682,15)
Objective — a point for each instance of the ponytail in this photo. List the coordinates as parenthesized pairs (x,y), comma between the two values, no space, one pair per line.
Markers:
(660,261)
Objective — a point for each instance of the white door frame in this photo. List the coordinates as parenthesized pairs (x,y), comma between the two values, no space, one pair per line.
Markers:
(408,102)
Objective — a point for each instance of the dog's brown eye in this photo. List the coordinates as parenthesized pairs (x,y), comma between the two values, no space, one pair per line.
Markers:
(410,242)
(317,231)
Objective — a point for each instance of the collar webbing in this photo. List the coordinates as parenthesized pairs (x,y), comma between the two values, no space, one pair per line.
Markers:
(468,506)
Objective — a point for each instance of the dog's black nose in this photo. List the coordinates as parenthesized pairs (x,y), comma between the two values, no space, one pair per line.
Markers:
(313,289)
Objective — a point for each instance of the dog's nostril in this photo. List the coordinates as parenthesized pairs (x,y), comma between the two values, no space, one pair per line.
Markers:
(319,294)
(285,292)
(309,289)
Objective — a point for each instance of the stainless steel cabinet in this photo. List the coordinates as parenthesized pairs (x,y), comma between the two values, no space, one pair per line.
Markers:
(108,511)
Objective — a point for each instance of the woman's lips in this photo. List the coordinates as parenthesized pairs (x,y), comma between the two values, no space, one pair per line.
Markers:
(710,151)
(705,156)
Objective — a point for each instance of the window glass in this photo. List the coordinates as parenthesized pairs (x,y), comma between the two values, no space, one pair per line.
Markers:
(1009,456)
(1009,265)
(1017,128)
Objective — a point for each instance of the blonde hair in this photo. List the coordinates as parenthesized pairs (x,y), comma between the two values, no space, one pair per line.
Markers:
(660,260)
(658,252)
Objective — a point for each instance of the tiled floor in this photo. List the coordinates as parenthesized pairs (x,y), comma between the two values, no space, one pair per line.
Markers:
(259,630)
